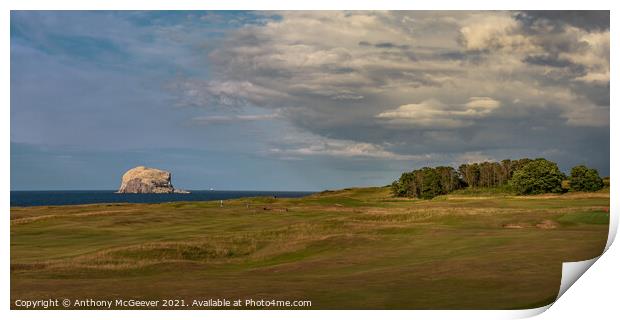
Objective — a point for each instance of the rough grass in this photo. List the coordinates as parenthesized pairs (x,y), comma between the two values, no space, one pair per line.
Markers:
(485,191)
(356,248)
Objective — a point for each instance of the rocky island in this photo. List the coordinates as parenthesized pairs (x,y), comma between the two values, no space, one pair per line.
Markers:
(147,180)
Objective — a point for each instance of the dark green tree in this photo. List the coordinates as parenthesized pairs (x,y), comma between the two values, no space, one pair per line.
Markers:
(430,185)
(583,178)
(405,186)
(426,183)
(538,176)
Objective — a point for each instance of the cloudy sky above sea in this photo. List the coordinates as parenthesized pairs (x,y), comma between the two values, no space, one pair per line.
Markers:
(305,100)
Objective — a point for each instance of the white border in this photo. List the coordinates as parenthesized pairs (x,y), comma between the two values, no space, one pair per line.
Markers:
(594,295)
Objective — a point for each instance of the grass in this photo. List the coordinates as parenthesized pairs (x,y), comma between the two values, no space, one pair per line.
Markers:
(356,248)
(504,190)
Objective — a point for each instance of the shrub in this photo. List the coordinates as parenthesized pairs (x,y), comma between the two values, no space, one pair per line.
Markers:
(583,178)
(538,176)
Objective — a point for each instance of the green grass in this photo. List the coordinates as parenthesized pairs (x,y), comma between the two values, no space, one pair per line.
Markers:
(485,191)
(588,217)
(356,248)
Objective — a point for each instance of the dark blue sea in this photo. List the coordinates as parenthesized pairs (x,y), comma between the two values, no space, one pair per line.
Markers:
(54,198)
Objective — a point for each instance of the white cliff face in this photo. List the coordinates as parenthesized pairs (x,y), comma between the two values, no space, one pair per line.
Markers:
(146,180)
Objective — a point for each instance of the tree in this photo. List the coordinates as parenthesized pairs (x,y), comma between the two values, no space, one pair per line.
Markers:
(490,174)
(450,180)
(395,186)
(538,176)
(426,183)
(506,167)
(404,187)
(471,174)
(534,176)
(583,178)
(430,185)
(518,164)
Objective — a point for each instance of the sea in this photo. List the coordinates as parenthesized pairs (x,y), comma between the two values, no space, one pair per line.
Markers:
(56,198)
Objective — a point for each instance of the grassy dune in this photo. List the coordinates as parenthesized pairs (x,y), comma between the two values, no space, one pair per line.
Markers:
(348,249)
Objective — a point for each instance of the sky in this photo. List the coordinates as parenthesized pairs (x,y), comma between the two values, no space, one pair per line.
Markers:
(302,100)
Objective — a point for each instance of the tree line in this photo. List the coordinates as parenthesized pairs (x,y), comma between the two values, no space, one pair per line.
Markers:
(523,176)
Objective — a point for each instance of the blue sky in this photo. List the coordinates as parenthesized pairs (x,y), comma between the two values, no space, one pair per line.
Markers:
(300,100)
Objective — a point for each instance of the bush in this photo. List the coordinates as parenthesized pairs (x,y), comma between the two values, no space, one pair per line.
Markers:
(583,178)
(538,176)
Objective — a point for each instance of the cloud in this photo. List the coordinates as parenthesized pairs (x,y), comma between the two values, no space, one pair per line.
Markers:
(341,149)
(435,114)
(235,118)
(416,82)
(590,20)
(351,60)
(215,94)
(492,31)
(481,105)
(473,157)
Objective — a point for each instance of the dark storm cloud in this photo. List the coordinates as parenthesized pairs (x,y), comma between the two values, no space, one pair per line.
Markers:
(390,45)
(591,20)
(596,93)
(551,61)
(384,45)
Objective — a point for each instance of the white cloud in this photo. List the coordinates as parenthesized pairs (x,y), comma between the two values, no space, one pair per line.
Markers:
(435,114)
(492,31)
(482,105)
(595,57)
(473,157)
